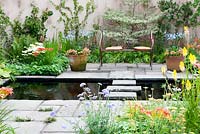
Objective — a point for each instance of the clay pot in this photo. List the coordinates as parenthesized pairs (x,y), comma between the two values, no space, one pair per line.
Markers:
(77,62)
(173,62)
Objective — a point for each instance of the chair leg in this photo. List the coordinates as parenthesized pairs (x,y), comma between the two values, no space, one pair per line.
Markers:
(151,58)
(101,59)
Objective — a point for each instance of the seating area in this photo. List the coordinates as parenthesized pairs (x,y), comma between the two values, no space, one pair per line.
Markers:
(103,48)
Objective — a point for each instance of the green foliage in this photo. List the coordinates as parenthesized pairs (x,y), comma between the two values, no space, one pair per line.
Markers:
(138,119)
(22,119)
(14,52)
(50,120)
(4,128)
(33,24)
(98,120)
(178,15)
(58,64)
(47,109)
(48,56)
(70,16)
(125,57)
(127,26)
(5,37)
(4,72)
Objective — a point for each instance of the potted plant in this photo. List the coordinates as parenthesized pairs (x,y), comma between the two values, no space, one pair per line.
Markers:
(173,57)
(78,58)
(74,31)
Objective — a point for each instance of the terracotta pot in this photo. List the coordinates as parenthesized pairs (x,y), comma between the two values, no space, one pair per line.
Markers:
(77,62)
(173,62)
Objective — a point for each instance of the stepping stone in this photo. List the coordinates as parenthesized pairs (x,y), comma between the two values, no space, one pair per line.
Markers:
(122,95)
(124,82)
(124,88)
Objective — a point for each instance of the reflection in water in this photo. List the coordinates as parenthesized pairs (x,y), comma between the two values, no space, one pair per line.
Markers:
(69,91)
(48,91)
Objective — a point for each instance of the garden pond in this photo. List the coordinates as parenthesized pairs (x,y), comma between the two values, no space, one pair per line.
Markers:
(69,91)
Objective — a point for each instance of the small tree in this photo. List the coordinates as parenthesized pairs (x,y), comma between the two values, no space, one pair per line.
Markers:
(70,16)
(128,25)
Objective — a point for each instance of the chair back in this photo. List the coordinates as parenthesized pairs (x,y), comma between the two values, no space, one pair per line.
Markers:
(99,38)
(152,40)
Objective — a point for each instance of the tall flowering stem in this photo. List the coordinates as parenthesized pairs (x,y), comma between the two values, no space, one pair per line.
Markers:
(191,95)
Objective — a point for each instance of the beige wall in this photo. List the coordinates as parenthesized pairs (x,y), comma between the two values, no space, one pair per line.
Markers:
(20,8)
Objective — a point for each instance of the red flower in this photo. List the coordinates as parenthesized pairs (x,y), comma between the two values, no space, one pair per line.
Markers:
(41,49)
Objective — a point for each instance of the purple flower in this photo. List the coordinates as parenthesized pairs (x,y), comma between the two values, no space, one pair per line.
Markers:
(111,105)
(87,104)
(105,92)
(53,114)
(64,126)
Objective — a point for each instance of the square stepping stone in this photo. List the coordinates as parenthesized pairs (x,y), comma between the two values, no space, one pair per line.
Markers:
(124,82)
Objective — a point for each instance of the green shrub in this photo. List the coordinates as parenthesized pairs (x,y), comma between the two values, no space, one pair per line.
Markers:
(14,52)
(58,65)
(124,57)
(33,24)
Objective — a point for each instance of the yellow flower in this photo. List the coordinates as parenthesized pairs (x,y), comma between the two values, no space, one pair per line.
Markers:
(184,51)
(163,70)
(174,75)
(182,66)
(192,59)
(186,28)
(188,85)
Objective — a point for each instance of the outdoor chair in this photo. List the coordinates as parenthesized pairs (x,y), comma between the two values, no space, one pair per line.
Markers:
(103,48)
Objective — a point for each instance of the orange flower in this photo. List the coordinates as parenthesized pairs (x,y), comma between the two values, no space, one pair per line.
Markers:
(36,53)
(5,91)
(49,49)
(162,112)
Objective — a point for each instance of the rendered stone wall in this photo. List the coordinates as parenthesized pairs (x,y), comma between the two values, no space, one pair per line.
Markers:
(20,8)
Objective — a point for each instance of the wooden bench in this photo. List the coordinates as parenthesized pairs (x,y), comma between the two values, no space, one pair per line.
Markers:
(103,48)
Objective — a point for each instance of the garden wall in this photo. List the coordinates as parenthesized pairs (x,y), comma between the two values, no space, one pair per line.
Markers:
(20,8)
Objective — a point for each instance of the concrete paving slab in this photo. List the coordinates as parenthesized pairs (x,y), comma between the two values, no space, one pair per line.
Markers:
(60,102)
(113,69)
(33,115)
(149,77)
(128,65)
(92,66)
(124,82)
(122,95)
(41,108)
(62,125)
(27,127)
(67,110)
(124,88)
(121,75)
(83,75)
(23,104)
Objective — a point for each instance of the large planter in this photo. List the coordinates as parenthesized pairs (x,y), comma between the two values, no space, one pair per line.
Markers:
(77,62)
(173,62)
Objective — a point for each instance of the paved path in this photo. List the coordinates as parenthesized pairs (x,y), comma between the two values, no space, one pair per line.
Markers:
(110,71)
(67,111)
